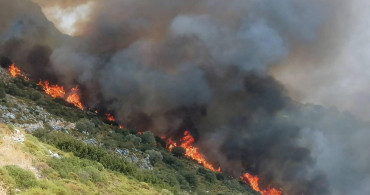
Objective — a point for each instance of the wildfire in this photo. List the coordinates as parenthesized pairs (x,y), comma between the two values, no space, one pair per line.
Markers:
(191,151)
(253,182)
(57,91)
(110,117)
(74,98)
(54,91)
(15,71)
(186,142)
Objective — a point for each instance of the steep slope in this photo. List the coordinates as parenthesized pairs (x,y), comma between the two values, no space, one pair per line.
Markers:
(46,165)
(80,152)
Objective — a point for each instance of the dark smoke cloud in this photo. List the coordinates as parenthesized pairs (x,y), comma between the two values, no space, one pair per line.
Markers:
(27,37)
(175,65)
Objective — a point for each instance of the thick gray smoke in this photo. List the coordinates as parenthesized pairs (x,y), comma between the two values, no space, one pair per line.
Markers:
(203,65)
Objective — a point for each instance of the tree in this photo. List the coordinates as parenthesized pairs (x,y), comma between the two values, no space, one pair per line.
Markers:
(178,151)
(154,156)
(148,137)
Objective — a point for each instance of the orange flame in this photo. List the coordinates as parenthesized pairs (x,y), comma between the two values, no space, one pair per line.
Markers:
(54,91)
(57,91)
(74,98)
(192,152)
(253,182)
(15,71)
(110,117)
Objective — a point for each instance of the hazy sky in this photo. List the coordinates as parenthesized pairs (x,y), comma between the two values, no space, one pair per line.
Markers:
(65,18)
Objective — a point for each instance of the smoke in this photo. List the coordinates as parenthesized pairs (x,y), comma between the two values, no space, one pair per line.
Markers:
(339,67)
(210,67)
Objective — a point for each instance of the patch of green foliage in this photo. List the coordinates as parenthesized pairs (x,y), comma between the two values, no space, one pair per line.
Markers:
(23,178)
(178,151)
(154,156)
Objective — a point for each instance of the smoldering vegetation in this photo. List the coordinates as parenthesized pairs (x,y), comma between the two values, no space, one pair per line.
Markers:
(175,65)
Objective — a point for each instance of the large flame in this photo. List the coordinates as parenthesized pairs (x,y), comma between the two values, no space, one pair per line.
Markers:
(74,98)
(57,91)
(15,72)
(54,91)
(193,152)
(253,182)
(190,151)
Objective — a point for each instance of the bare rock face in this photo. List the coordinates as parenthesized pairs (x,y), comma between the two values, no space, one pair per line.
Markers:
(140,159)
(17,136)
(54,155)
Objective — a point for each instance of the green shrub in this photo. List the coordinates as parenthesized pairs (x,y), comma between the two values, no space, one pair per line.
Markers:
(19,82)
(178,151)
(40,132)
(134,139)
(12,89)
(75,168)
(182,181)
(148,138)
(172,161)
(95,175)
(190,178)
(6,180)
(154,156)
(2,93)
(85,125)
(210,177)
(34,95)
(22,178)
(202,170)
(220,176)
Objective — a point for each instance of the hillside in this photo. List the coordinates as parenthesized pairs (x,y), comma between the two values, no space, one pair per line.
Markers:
(49,146)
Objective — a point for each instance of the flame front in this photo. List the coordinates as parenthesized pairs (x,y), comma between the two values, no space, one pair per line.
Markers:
(57,91)
(15,72)
(74,98)
(54,91)
(253,182)
(190,151)
(110,117)
(186,142)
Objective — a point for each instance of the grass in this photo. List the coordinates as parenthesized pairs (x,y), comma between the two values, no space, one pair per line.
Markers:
(34,171)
